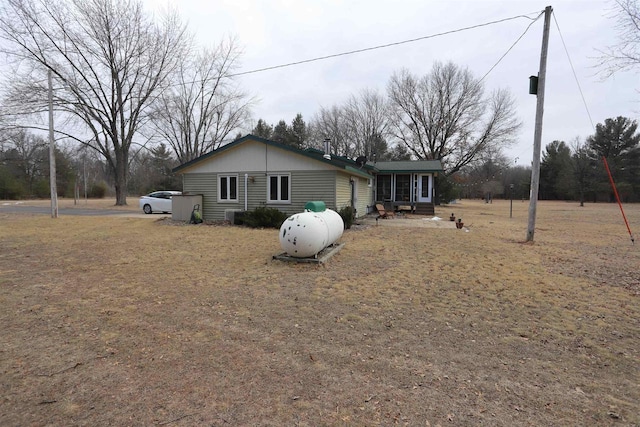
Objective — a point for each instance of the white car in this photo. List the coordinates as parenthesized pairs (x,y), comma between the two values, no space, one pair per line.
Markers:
(158,201)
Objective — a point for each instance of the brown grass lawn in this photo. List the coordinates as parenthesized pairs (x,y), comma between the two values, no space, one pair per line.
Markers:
(140,321)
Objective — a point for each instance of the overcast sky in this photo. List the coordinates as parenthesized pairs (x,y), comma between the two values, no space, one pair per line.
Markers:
(279,32)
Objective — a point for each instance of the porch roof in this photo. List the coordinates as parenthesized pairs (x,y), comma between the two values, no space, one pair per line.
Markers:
(409,166)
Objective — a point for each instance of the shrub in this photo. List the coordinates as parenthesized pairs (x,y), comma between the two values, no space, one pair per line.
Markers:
(348,215)
(98,190)
(263,217)
(10,187)
(41,189)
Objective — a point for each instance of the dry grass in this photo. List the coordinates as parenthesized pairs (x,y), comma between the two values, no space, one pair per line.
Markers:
(138,321)
(107,203)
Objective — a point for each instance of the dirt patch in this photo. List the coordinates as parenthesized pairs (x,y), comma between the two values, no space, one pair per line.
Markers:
(125,321)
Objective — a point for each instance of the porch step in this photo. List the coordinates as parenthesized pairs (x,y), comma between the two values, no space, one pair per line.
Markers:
(426,209)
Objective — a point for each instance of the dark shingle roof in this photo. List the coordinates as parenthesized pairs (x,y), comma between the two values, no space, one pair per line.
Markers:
(409,166)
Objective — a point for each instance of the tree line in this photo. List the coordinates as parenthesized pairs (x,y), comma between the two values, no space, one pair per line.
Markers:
(576,171)
(24,169)
(568,171)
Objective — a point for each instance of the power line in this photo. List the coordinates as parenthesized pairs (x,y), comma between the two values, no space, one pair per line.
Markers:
(575,77)
(352,52)
(512,46)
(367,49)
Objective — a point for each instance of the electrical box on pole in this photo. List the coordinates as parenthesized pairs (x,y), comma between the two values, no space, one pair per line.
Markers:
(533,85)
(537,136)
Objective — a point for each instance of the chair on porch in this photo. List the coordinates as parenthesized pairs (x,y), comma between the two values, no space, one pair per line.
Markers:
(382,213)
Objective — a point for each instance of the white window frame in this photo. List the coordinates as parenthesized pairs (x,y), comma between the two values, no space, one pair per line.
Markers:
(228,176)
(279,199)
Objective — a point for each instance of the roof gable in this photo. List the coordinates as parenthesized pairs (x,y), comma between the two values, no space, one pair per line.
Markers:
(311,153)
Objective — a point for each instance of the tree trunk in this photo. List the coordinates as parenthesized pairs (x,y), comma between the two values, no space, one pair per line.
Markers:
(121,178)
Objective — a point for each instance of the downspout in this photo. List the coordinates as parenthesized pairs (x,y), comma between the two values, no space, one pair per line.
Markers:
(353,196)
(246,180)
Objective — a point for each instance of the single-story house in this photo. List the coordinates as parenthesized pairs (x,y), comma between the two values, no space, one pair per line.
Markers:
(253,171)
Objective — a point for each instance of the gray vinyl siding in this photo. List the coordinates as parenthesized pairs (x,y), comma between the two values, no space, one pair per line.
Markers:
(204,184)
(310,185)
(343,191)
(364,197)
(207,185)
(304,186)
(257,190)
(343,186)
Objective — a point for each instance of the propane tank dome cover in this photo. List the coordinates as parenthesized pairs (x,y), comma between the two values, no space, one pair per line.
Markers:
(315,206)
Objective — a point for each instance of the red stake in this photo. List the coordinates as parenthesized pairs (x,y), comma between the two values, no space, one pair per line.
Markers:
(615,192)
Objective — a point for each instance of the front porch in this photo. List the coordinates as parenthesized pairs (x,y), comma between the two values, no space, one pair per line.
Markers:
(410,192)
(425,209)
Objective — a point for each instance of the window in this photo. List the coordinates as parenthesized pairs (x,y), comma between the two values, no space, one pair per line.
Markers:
(278,189)
(403,188)
(424,186)
(383,188)
(227,188)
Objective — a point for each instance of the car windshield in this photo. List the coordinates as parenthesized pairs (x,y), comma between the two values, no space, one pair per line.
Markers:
(163,194)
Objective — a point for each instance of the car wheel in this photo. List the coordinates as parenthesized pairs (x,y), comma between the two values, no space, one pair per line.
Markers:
(147,209)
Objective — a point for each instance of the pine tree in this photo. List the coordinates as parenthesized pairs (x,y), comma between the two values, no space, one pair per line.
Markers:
(298,131)
(263,129)
(556,177)
(281,133)
(618,140)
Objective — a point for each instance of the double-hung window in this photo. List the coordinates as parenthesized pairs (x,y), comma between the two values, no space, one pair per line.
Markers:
(227,188)
(279,188)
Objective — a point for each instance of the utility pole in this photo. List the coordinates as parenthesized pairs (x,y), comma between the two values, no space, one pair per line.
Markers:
(511,205)
(84,175)
(537,136)
(52,154)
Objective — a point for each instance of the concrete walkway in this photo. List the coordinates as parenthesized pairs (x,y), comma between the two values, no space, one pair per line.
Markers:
(407,220)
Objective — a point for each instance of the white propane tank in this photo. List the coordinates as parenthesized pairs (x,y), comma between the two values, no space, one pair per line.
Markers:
(305,234)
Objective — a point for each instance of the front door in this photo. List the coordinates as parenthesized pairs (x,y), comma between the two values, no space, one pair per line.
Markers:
(425,184)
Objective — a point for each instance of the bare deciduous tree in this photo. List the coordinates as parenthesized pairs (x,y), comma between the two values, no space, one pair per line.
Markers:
(24,156)
(109,61)
(366,120)
(625,55)
(357,128)
(583,167)
(329,123)
(445,115)
(203,105)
